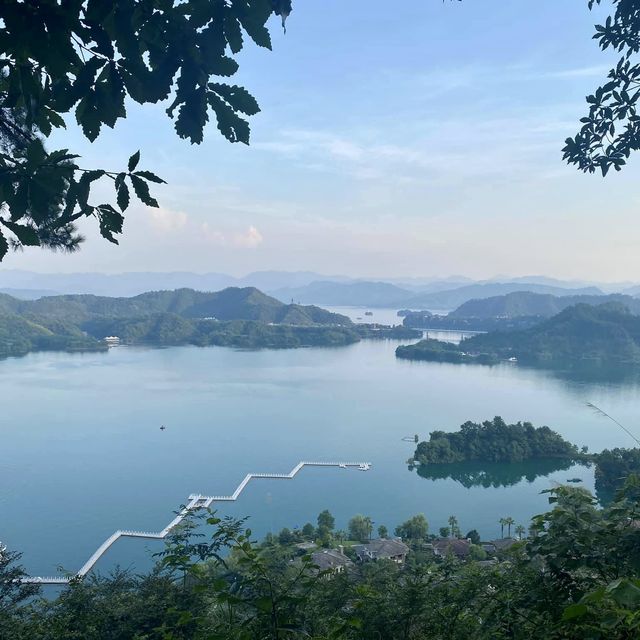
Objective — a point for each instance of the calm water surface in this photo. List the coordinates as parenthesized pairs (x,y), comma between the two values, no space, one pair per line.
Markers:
(81,452)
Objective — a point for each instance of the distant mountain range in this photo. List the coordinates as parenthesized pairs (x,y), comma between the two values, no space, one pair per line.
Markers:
(451,299)
(519,304)
(433,297)
(351,294)
(304,287)
(135,283)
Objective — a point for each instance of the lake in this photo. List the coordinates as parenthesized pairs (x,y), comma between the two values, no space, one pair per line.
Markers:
(82,453)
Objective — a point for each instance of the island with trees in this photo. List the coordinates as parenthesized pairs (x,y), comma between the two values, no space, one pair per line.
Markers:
(494,441)
(493,453)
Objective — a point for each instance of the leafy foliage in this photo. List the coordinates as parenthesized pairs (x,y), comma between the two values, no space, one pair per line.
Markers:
(360,528)
(611,130)
(89,58)
(575,577)
(415,528)
(613,466)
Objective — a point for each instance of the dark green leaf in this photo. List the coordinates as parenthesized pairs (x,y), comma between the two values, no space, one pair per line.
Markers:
(133,161)
(232,126)
(4,246)
(151,177)
(625,593)
(238,97)
(122,196)
(575,611)
(26,235)
(142,191)
(193,116)
(110,222)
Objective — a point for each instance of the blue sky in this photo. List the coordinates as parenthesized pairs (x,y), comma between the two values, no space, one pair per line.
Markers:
(420,140)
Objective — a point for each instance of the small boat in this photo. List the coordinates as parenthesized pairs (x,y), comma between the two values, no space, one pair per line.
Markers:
(364,467)
(162,428)
(574,479)
(343,466)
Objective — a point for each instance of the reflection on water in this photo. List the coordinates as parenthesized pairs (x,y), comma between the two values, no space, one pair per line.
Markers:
(494,474)
(593,373)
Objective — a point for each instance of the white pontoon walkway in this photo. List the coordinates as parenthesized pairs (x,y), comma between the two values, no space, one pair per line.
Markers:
(196,501)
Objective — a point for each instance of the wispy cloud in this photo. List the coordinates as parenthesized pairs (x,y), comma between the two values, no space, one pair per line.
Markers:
(249,238)
(166,221)
(599,71)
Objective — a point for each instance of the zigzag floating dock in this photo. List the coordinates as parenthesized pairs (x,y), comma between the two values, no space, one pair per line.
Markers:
(196,501)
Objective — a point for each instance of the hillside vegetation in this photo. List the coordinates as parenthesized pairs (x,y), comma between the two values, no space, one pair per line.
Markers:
(19,336)
(243,318)
(232,317)
(580,336)
(168,329)
(229,304)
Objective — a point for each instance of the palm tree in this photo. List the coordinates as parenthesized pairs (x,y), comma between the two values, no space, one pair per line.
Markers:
(520,531)
(502,522)
(369,524)
(453,524)
(509,522)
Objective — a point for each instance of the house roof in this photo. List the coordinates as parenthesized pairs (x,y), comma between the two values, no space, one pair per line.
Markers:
(382,548)
(456,546)
(503,543)
(330,559)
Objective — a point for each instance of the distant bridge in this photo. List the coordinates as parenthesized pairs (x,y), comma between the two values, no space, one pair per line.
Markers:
(196,501)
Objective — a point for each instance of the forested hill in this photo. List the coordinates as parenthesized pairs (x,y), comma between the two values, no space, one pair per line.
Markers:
(229,304)
(526,303)
(581,335)
(232,317)
(18,336)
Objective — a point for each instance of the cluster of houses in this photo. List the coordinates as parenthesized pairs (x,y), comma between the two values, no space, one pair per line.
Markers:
(393,549)
(461,547)
(335,560)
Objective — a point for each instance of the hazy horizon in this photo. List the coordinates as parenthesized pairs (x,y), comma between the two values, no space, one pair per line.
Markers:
(454,278)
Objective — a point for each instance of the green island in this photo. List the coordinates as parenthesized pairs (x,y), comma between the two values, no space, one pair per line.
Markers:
(494,453)
(579,337)
(494,441)
(242,318)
